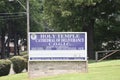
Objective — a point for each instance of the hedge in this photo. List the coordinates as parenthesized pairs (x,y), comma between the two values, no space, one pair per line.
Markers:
(26,58)
(19,63)
(5,66)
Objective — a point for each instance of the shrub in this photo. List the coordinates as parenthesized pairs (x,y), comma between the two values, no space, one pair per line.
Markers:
(23,53)
(26,65)
(19,64)
(26,58)
(5,67)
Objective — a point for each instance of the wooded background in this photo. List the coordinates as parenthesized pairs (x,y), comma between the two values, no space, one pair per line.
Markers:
(99,18)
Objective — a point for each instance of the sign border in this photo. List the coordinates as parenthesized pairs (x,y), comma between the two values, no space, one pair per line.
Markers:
(56,33)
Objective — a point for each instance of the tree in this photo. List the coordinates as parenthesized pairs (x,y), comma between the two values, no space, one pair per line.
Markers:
(9,16)
(36,16)
(79,15)
(13,22)
(107,34)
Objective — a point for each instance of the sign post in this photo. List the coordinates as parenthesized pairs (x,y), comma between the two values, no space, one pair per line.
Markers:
(52,48)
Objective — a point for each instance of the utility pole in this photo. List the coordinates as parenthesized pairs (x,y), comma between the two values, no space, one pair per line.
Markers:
(28,18)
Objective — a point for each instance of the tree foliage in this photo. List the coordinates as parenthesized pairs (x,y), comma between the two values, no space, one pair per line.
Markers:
(84,15)
(13,23)
(99,18)
(36,13)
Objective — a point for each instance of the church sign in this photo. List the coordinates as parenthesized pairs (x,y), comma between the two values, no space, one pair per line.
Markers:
(57,46)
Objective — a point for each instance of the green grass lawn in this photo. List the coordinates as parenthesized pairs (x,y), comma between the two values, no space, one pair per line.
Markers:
(106,70)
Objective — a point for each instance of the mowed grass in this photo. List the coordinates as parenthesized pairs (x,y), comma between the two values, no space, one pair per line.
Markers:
(106,70)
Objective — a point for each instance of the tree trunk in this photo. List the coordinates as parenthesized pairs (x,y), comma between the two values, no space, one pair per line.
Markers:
(91,53)
(18,45)
(3,44)
(8,46)
(15,44)
(8,41)
(89,28)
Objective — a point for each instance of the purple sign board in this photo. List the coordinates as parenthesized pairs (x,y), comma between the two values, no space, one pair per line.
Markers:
(57,46)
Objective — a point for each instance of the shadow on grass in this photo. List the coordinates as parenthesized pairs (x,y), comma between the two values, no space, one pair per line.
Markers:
(94,61)
(91,61)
